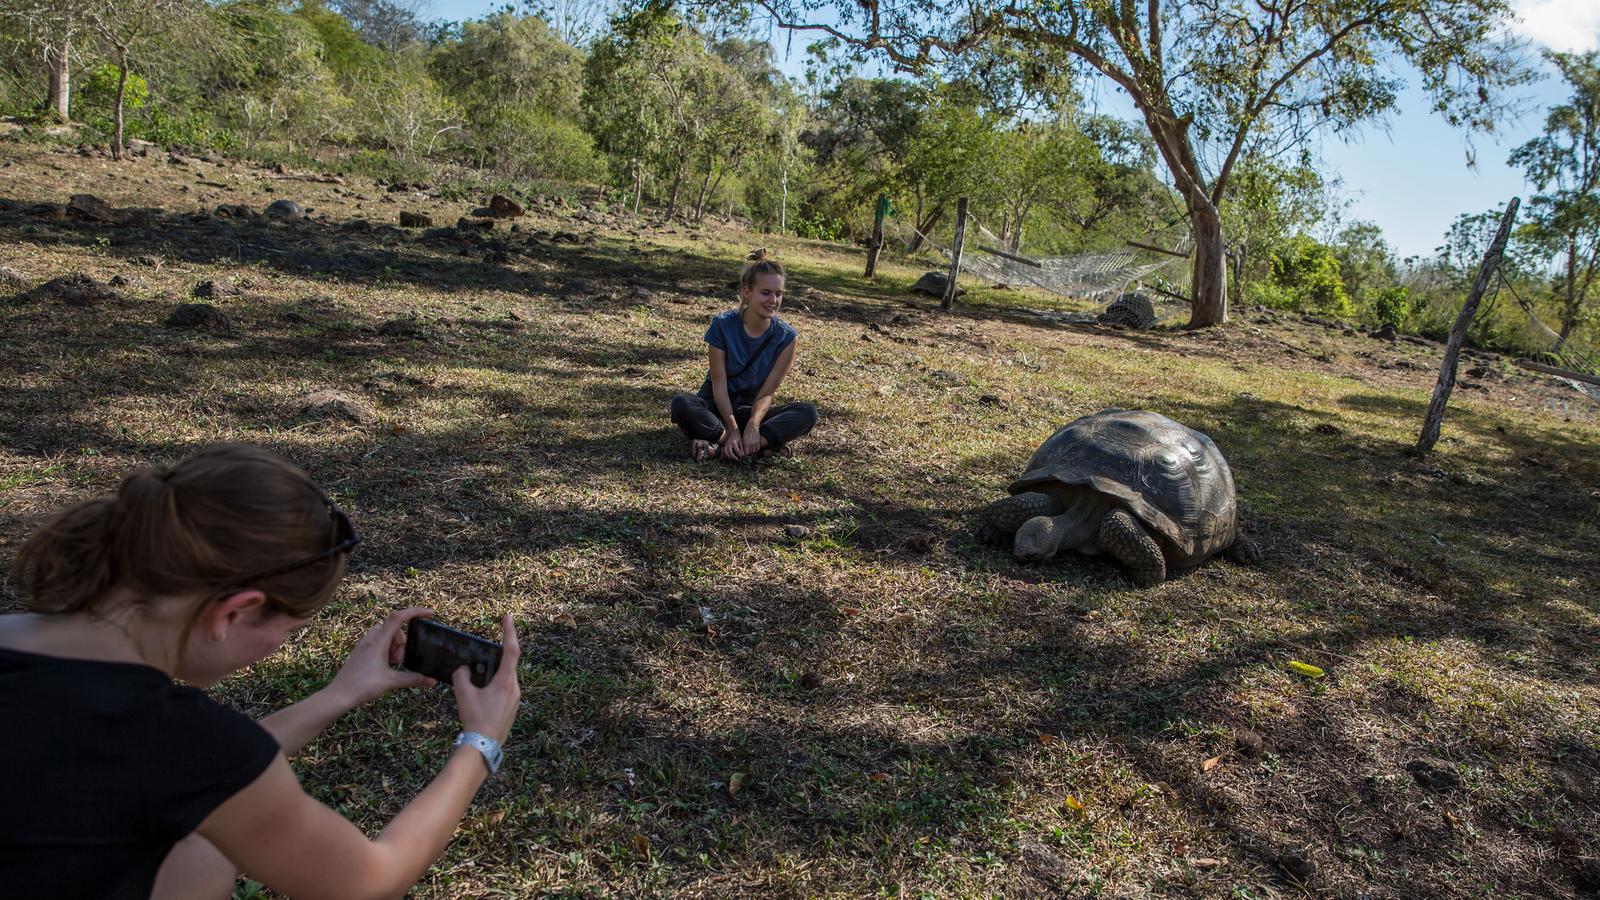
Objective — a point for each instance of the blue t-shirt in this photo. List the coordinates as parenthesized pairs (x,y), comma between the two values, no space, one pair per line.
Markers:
(727,334)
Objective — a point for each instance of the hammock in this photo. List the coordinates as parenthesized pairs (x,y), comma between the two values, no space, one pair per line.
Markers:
(1098,278)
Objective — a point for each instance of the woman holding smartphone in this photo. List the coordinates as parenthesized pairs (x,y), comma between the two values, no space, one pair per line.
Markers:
(127,784)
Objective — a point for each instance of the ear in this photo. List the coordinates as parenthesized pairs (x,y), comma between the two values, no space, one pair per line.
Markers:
(235,609)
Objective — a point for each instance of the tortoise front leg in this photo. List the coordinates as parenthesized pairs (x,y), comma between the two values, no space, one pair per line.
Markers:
(1124,538)
(1007,514)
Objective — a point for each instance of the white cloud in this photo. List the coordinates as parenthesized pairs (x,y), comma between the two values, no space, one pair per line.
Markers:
(1570,26)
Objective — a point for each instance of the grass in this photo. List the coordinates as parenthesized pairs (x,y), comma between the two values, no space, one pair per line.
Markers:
(807,679)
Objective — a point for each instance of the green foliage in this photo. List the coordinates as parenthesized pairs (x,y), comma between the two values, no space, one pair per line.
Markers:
(819,228)
(1308,274)
(98,91)
(342,50)
(381,165)
(1393,305)
(189,129)
(1563,230)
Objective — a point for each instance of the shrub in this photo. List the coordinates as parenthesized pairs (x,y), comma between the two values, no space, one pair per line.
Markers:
(1393,306)
(99,91)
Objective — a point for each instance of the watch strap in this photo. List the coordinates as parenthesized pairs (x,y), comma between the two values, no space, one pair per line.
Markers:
(488,746)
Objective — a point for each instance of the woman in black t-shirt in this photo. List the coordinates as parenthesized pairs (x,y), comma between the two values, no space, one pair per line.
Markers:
(122,783)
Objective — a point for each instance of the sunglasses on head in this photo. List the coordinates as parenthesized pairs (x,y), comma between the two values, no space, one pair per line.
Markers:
(344,540)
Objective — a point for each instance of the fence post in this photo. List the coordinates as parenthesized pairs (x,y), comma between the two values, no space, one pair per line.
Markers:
(1458,332)
(875,245)
(955,254)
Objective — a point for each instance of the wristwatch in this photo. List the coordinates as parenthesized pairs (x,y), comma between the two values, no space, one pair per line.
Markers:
(488,746)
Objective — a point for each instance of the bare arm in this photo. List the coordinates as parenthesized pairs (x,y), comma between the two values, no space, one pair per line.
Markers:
(780,368)
(367,674)
(731,446)
(297,846)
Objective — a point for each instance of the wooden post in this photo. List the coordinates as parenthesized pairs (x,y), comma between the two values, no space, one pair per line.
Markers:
(955,255)
(1458,332)
(875,245)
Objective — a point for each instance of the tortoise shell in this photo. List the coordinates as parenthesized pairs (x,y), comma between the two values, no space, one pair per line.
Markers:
(1170,476)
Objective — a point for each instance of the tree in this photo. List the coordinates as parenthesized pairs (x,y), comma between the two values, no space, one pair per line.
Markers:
(1213,82)
(127,27)
(658,99)
(54,27)
(1266,204)
(519,86)
(403,108)
(1366,263)
(1564,163)
(387,24)
(578,22)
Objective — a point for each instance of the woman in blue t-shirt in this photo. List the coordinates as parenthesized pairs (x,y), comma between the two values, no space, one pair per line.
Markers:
(751,350)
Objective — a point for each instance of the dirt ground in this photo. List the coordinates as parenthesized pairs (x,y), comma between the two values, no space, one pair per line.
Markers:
(807,678)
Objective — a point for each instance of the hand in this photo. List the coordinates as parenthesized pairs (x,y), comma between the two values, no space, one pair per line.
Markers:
(369,672)
(490,710)
(732,445)
(752,438)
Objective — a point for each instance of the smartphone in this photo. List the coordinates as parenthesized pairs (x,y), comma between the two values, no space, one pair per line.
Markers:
(438,650)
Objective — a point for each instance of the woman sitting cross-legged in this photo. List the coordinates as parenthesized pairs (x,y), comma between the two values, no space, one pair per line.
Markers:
(751,350)
(124,783)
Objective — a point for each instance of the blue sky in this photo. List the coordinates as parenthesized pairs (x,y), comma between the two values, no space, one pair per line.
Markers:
(1410,175)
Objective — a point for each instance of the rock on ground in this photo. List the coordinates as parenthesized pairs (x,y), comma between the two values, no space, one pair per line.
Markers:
(337,405)
(502,207)
(93,209)
(76,289)
(211,289)
(285,209)
(197,315)
(401,328)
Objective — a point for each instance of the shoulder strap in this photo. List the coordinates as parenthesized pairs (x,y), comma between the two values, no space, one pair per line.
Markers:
(756,353)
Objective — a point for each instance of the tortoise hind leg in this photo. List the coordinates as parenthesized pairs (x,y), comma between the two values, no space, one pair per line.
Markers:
(1124,538)
(1001,519)
(1243,551)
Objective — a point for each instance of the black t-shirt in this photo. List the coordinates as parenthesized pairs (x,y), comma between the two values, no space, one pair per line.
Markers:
(105,766)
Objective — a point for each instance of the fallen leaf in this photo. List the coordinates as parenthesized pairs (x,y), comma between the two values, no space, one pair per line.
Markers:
(1074,804)
(1306,669)
(1205,862)
(1210,764)
(735,782)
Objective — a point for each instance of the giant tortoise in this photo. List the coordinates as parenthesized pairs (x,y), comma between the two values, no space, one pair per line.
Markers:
(1153,494)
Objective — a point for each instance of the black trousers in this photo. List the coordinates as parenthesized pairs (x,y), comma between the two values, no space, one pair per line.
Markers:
(698,418)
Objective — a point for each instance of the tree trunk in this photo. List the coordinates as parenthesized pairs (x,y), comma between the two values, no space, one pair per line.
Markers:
(638,187)
(677,185)
(700,201)
(1569,310)
(1458,333)
(60,97)
(1209,284)
(122,91)
(923,227)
